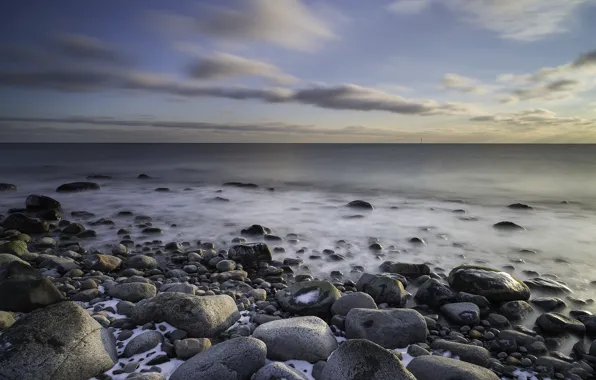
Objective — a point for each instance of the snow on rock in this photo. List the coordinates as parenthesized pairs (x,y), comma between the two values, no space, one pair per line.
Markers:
(309,297)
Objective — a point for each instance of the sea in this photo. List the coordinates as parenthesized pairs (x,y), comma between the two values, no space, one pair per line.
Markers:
(415,190)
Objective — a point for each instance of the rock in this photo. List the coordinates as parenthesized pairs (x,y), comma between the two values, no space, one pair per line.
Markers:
(141,262)
(15,247)
(49,215)
(99,176)
(250,255)
(590,322)
(41,202)
(25,224)
(58,342)
(520,206)
(6,258)
(82,214)
(86,234)
(7,187)
(258,294)
(390,328)
(549,303)
(75,187)
(507,226)
(495,285)
(361,359)
(241,185)
(406,269)
(102,263)
(146,376)
(73,229)
(466,352)
(356,300)
(24,289)
(62,264)
(86,295)
(301,338)
(179,288)
(553,365)
(237,358)
(225,265)
(516,310)
(308,298)
(143,176)
(162,190)
(133,291)
(438,367)
(434,294)
(361,205)
(187,348)
(556,323)
(462,313)
(531,343)
(383,289)
(142,343)
(200,317)
(254,230)
(547,285)
(274,371)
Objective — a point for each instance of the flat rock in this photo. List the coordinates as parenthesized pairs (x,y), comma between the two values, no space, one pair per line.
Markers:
(383,289)
(406,269)
(74,187)
(179,288)
(438,367)
(24,289)
(556,323)
(308,298)
(462,313)
(466,352)
(356,300)
(549,303)
(493,284)
(133,292)
(142,343)
(274,371)
(507,226)
(547,285)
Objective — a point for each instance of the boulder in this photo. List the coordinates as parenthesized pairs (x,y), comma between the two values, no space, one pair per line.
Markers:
(179,288)
(361,205)
(58,342)
(462,313)
(25,224)
(142,343)
(434,294)
(237,359)
(520,206)
(308,298)
(41,202)
(241,185)
(75,187)
(200,317)
(438,367)
(466,352)
(274,371)
(516,310)
(361,359)
(555,323)
(301,338)
(250,255)
(383,289)
(254,230)
(406,269)
(356,300)
(187,348)
(390,328)
(495,285)
(549,303)
(102,263)
(141,262)
(24,289)
(133,291)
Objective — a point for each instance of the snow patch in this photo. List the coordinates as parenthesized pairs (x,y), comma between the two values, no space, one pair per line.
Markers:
(309,297)
(405,357)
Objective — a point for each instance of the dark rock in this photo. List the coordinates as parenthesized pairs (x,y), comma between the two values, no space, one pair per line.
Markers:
(87,234)
(221,199)
(549,303)
(25,224)
(49,215)
(362,205)
(517,339)
(356,300)
(82,214)
(507,226)
(590,322)
(73,229)
(495,285)
(24,289)
(520,206)
(308,298)
(250,255)
(99,176)
(187,348)
(133,292)
(141,262)
(480,301)
(143,176)
(516,310)
(417,241)
(462,313)
(556,323)
(466,352)
(241,185)
(254,230)
(405,269)
(547,285)
(437,367)
(74,187)
(434,294)
(277,370)
(383,289)
(7,187)
(41,202)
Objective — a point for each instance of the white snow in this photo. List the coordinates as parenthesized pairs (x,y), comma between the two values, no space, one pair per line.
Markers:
(405,357)
(309,297)
(526,375)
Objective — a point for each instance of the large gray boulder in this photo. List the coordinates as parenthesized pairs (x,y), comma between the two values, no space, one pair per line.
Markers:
(274,371)
(199,316)
(462,313)
(250,255)
(383,289)
(438,367)
(356,300)
(58,342)
(361,359)
(308,298)
(302,338)
(493,284)
(234,359)
(466,352)
(389,328)
(24,289)
(133,291)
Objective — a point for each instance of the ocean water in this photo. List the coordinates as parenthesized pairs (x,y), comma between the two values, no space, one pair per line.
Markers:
(414,189)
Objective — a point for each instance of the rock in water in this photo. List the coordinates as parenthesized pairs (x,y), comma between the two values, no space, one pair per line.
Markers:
(495,285)
(516,310)
(25,224)
(308,298)
(507,226)
(141,262)
(434,294)
(200,317)
(75,187)
(250,255)
(356,300)
(361,205)
(241,185)
(547,285)
(133,291)
(383,289)
(254,230)
(390,328)
(466,352)
(555,323)
(7,187)
(406,269)
(58,342)
(24,289)
(549,303)
(462,313)
(278,371)
(302,338)
(41,202)
(520,206)
(361,359)
(437,367)
(237,359)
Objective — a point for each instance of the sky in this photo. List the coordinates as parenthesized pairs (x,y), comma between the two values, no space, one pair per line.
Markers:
(506,71)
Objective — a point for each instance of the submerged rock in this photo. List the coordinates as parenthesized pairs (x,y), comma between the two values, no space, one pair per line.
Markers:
(547,285)
(241,185)
(520,206)
(507,226)
(362,205)
(549,303)
(437,367)
(308,298)
(495,285)
(74,187)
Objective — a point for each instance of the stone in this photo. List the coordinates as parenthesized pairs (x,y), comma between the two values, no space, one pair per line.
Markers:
(250,255)
(356,300)
(254,230)
(25,224)
(301,338)
(86,295)
(466,352)
(406,269)
(62,264)
(360,359)
(437,367)
(590,322)
(179,288)
(498,321)
(6,320)
(495,285)
(141,262)
(434,294)
(142,343)
(199,316)
(241,185)
(462,313)
(308,298)
(102,263)
(547,285)
(74,187)
(507,226)
(15,247)
(59,342)
(258,294)
(274,371)
(7,187)
(187,348)
(531,343)
(24,289)
(556,323)
(41,202)
(383,289)
(6,258)
(225,265)
(237,358)
(549,303)
(133,292)
(389,328)
(361,205)
(516,310)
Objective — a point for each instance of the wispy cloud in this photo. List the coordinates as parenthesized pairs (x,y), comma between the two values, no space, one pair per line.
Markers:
(464,84)
(535,119)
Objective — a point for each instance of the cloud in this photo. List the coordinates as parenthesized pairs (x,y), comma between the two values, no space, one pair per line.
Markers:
(81,47)
(223,65)
(536,118)
(586,59)
(464,84)
(409,6)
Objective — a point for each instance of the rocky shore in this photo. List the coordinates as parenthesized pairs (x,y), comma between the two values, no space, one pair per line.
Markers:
(145,309)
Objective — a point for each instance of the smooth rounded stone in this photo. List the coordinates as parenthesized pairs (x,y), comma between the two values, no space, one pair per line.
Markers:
(480,301)
(258,294)
(7,187)
(133,292)
(225,265)
(361,205)
(406,269)
(274,371)
(73,229)
(556,323)
(356,300)
(438,367)
(250,255)
(498,321)
(125,308)
(179,288)
(45,242)
(102,263)
(6,320)
(87,234)
(590,322)
(41,202)
(141,262)
(176,273)
(7,258)
(360,359)
(62,264)
(86,295)
(199,316)
(308,298)
(58,342)
(14,247)
(383,289)
(74,187)
(187,348)
(142,343)
(237,358)
(466,352)
(434,294)
(553,365)
(24,289)
(495,285)
(301,338)
(152,230)
(390,328)
(520,206)
(507,226)
(462,313)
(547,285)
(25,224)
(531,343)
(549,303)
(120,249)
(516,310)
(415,350)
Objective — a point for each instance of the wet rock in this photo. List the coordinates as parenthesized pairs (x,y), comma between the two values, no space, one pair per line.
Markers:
(356,300)
(7,187)
(361,205)
(142,343)
(25,224)
(556,323)
(549,303)
(133,292)
(102,263)
(24,289)
(162,190)
(590,322)
(390,328)
(141,262)
(417,241)
(466,352)
(143,176)
(62,264)
(254,230)
(507,226)
(6,258)
(15,247)
(515,338)
(41,202)
(241,185)
(278,371)
(547,285)
(495,285)
(462,313)
(187,348)
(520,206)
(308,298)
(438,367)
(383,289)
(434,294)
(516,310)
(73,229)
(250,255)
(406,269)
(74,187)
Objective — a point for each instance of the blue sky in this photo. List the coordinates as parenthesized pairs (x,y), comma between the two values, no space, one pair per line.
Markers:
(298,71)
